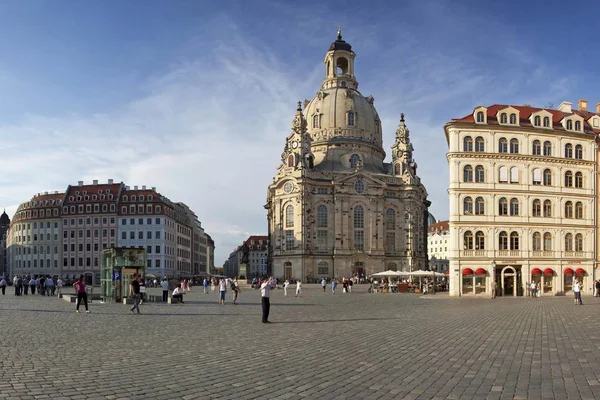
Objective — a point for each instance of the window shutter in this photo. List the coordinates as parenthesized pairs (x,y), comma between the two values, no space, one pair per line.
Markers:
(514,175)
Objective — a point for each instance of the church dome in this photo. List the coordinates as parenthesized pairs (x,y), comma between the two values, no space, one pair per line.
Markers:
(340,44)
(343,114)
(4,220)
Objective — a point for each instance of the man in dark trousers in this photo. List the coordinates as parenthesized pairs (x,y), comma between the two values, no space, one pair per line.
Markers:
(135,294)
(265,291)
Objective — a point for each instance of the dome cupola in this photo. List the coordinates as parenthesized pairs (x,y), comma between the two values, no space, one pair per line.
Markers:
(4,220)
(340,44)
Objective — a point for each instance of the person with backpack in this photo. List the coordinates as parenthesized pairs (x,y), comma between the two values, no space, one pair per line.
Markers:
(236,290)
(81,294)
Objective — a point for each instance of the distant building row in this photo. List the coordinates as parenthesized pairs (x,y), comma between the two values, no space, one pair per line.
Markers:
(254,253)
(64,233)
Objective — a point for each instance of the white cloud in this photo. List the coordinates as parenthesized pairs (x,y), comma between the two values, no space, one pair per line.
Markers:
(209,131)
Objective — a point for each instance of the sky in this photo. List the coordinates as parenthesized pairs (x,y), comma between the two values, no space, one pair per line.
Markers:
(196,97)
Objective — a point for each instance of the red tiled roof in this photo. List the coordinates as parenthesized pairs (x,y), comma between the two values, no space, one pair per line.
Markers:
(439,226)
(526,111)
(140,192)
(91,190)
(256,239)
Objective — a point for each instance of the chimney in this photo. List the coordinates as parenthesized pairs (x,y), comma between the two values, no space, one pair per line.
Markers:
(598,107)
(126,187)
(565,107)
(582,105)
(135,187)
(80,183)
(95,181)
(154,187)
(144,187)
(110,181)
(45,193)
(56,192)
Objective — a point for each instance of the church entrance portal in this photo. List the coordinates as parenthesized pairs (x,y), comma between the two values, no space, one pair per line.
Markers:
(359,269)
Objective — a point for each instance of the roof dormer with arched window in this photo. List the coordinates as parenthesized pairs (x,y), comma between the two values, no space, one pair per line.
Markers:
(541,119)
(573,123)
(508,116)
(480,115)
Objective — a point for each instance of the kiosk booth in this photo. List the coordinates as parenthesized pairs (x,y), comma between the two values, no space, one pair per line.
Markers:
(119,265)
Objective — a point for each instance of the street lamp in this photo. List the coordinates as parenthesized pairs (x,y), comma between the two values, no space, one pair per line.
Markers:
(493,274)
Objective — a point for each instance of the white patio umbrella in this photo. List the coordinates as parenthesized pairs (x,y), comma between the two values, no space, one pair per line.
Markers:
(387,273)
(422,273)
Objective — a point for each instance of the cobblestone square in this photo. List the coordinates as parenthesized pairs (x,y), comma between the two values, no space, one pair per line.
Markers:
(319,346)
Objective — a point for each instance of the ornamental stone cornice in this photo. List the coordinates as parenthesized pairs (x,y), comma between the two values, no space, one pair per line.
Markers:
(519,157)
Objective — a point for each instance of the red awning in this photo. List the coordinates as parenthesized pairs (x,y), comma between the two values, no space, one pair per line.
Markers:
(447,272)
(480,271)
(548,271)
(536,271)
(568,271)
(580,271)
(467,271)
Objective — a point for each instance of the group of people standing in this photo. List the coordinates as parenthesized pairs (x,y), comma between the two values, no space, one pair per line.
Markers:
(45,285)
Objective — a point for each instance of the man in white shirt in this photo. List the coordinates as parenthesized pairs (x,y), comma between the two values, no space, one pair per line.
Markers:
(165,287)
(59,285)
(178,293)
(324,283)
(577,292)
(265,292)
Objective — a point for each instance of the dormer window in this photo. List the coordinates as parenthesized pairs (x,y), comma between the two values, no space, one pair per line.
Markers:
(546,122)
(570,125)
(537,121)
(578,125)
(503,119)
(316,121)
(351,118)
(513,119)
(480,117)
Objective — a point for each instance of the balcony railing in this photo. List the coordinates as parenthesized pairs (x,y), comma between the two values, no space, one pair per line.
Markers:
(542,253)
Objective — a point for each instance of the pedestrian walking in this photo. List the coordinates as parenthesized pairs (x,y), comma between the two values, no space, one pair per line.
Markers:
(324,284)
(81,294)
(286,284)
(165,287)
(205,285)
(533,289)
(333,285)
(222,290)
(50,286)
(265,293)
(59,285)
(3,286)
(577,292)
(142,290)
(598,288)
(32,285)
(25,285)
(236,291)
(493,289)
(298,288)
(135,294)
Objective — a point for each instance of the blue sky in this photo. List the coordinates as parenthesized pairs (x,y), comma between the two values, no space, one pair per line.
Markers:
(196,97)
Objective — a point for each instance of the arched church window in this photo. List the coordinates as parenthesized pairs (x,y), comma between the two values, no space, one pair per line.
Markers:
(316,121)
(351,118)
(354,160)
(290,160)
(289,216)
(322,216)
(390,218)
(359,225)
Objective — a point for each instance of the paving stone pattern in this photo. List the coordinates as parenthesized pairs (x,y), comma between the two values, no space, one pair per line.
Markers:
(319,346)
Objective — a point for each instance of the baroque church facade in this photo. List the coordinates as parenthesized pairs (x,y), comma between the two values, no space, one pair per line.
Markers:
(335,207)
